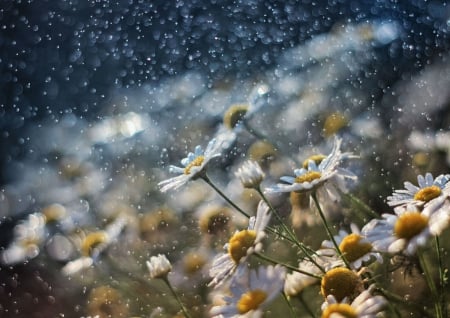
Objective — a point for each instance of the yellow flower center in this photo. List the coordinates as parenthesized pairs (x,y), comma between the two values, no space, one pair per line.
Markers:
(344,310)
(54,212)
(352,247)
(239,244)
(251,300)
(340,282)
(334,123)
(194,163)
(316,158)
(234,115)
(410,224)
(428,193)
(308,176)
(193,262)
(92,240)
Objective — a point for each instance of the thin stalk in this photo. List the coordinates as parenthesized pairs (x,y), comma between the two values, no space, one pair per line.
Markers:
(442,278)
(299,244)
(363,206)
(293,268)
(305,305)
(254,132)
(269,229)
(327,228)
(209,182)
(431,285)
(291,309)
(401,300)
(185,312)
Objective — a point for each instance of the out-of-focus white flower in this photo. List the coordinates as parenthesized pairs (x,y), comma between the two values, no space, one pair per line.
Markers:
(193,165)
(296,282)
(93,244)
(365,305)
(409,227)
(159,266)
(29,235)
(250,174)
(240,246)
(251,292)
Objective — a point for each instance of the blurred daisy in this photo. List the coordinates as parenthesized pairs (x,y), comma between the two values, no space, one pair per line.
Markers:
(93,244)
(251,292)
(316,172)
(408,228)
(365,305)
(354,247)
(428,189)
(193,165)
(240,246)
(29,235)
(296,282)
(250,174)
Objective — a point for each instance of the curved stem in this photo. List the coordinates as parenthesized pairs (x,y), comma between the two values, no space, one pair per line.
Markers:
(308,253)
(293,268)
(431,285)
(185,312)
(209,182)
(442,279)
(363,206)
(327,228)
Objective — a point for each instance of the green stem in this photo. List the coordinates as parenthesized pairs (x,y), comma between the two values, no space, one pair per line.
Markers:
(294,239)
(401,300)
(327,228)
(209,182)
(363,206)
(293,268)
(431,285)
(305,305)
(254,132)
(185,312)
(442,279)
(291,309)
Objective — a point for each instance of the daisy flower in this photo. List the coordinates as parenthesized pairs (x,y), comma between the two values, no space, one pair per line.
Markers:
(353,246)
(316,172)
(428,189)
(159,266)
(240,246)
(408,228)
(193,165)
(342,283)
(251,292)
(365,305)
(250,174)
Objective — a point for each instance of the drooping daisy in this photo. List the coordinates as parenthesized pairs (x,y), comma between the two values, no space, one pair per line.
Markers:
(354,247)
(159,266)
(316,172)
(365,305)
(250,174)
(428,189)
(193,165)
(251,292)
(409,227)
(240,246)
